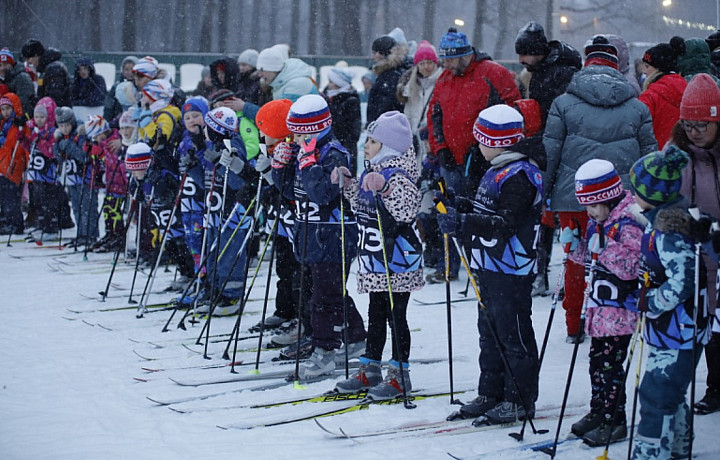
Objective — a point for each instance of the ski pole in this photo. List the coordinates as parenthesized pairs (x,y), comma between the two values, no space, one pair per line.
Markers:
(116,256)
(695,213)
(553,307)
(448,301)
(151,277)
(138,241)
(638,332)
(301,296)
(206,225)
(637,383)
(90,206)
(491,325)
(341,184)
(11,167)
(551,451)
(396,335)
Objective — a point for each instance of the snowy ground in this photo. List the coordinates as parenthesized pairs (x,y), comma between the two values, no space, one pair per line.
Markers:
(70,388)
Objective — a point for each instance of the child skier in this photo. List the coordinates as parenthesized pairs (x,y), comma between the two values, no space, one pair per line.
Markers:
(614,236)
(668,300)
(13,161)
(68,148)
(303,174)
(501,226)
(388,182)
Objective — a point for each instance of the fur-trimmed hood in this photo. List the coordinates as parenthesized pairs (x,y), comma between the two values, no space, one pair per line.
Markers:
(672,217)
(396,59)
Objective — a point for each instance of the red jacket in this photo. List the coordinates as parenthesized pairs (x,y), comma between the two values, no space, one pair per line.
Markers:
(457,101)
(8,151)
(663,98)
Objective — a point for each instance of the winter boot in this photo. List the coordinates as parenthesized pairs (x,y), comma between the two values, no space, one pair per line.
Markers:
(306,349)
(504,412)
(439,277)
(591,421)
(572,337)
(391,387)
(288,338)
(178,284)
(321,362)
(709,404)
(271,322)
(474,408)
(647,448)
(599,436)
(368,375)
(226,306)
(355,350)
(540,285)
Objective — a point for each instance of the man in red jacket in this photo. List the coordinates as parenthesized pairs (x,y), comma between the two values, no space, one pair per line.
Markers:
(470,83)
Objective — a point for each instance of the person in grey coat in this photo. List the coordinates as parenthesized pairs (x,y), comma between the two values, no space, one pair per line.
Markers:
(598,117)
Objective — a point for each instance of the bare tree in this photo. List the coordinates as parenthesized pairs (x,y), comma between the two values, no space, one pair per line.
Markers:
(429,21)
(348,21)
(327,31)
(95,42)
(206,28)
(503,30)
(480,8)
(255,22)
(128,26)
(295,25)
(222,25)
(312,36)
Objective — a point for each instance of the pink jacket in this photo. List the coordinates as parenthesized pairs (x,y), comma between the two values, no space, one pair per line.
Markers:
(621,257)
(116,181)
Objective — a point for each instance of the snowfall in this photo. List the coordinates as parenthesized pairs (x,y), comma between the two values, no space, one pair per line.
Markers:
(76,380)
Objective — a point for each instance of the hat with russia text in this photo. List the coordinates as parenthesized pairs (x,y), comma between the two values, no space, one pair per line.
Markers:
(499,126)
(597,181)
(138,157)
(309,115)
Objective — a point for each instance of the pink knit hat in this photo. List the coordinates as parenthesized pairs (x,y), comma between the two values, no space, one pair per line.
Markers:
(425,51)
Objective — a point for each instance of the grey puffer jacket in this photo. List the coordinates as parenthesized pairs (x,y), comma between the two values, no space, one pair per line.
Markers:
(403,204)
(598,117)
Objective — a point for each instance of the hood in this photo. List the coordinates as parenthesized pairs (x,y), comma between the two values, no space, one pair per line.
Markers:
(561,54)
(600,86)
(623,52)
(87,62)
(407,162)
(672,217)
(670,87)
(293,68)
(16,104)
(49,56)
(232,74)
(533,148)
(696,58)
(396,59)
(50,106)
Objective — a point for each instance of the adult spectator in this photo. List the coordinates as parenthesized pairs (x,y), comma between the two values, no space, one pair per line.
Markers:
(390,63)
(623,55)
(598,117)
(17,81)
(550,67)
(695,60)
(663,88)
(88,88)
(250,89)
(551,64)
(470,82)
(713,42)
(344,106)
(113,107)
(31,51)
(204,87)
(54,79)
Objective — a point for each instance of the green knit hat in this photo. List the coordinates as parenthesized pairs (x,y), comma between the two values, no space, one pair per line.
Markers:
(656,177)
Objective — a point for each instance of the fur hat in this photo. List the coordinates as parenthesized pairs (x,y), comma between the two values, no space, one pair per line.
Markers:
(656,178)
(271,60)
(64,115)
(392,129)
(270,119)
(32,48)
(701,99)
(531,40)
(222,120)
(309,115)
(663,56)
(138,157)
(597,181)
(499,126)
(425,52)
(454,44)
(249,57)
(383,44)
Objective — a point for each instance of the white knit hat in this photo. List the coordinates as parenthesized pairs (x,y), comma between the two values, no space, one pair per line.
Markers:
(271,60)
(310,114)
(249,57)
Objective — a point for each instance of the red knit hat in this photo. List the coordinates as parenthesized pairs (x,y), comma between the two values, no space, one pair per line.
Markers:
(701,100)
(425,52)
(270,119)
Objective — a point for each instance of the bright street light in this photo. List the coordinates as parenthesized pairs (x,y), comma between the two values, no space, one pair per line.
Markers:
(459,22)
(667,3)
(564,19)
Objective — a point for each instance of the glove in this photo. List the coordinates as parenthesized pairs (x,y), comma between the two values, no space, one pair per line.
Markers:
(283,155)
(700,229)
(448,221)
(375,182)
(644,299)
(308,144)
(335,176)
(594,245)
(307,156)
(211,155)
(187,162)
(262,163)
(446,159)
(57,134)
(19,122)
(62,145)
(447,198)
(95,152)
(570,236)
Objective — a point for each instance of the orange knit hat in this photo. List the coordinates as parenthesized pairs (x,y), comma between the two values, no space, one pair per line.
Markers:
(270,119)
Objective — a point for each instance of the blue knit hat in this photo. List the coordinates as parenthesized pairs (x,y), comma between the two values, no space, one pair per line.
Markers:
(195,104)
(454,44)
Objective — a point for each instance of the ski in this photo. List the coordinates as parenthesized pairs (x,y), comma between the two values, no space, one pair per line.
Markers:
(164,401)
(346,407)
(532,447)
(152,307)
(442,302)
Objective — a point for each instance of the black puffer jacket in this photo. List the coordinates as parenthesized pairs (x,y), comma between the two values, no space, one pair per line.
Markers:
(90,91)
(383,96)
(345,111)
(232,74)
(55,79)
(552,75)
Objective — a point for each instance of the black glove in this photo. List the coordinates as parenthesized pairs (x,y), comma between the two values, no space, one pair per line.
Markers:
(198,140)
(446,159)
(19,121)
(700,229)
(187,161)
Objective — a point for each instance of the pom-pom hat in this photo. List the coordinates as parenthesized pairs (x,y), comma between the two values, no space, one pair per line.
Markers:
(64,115)
(138,157)
(597,181)
(701,99)
(222,120)
(454,44)
(531,40)
(601,52)
(147,67)
(7,56)
(96,125)
(393,130)
(270,119)
(656,178)
(499,126)
(309,115)
(664,56)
